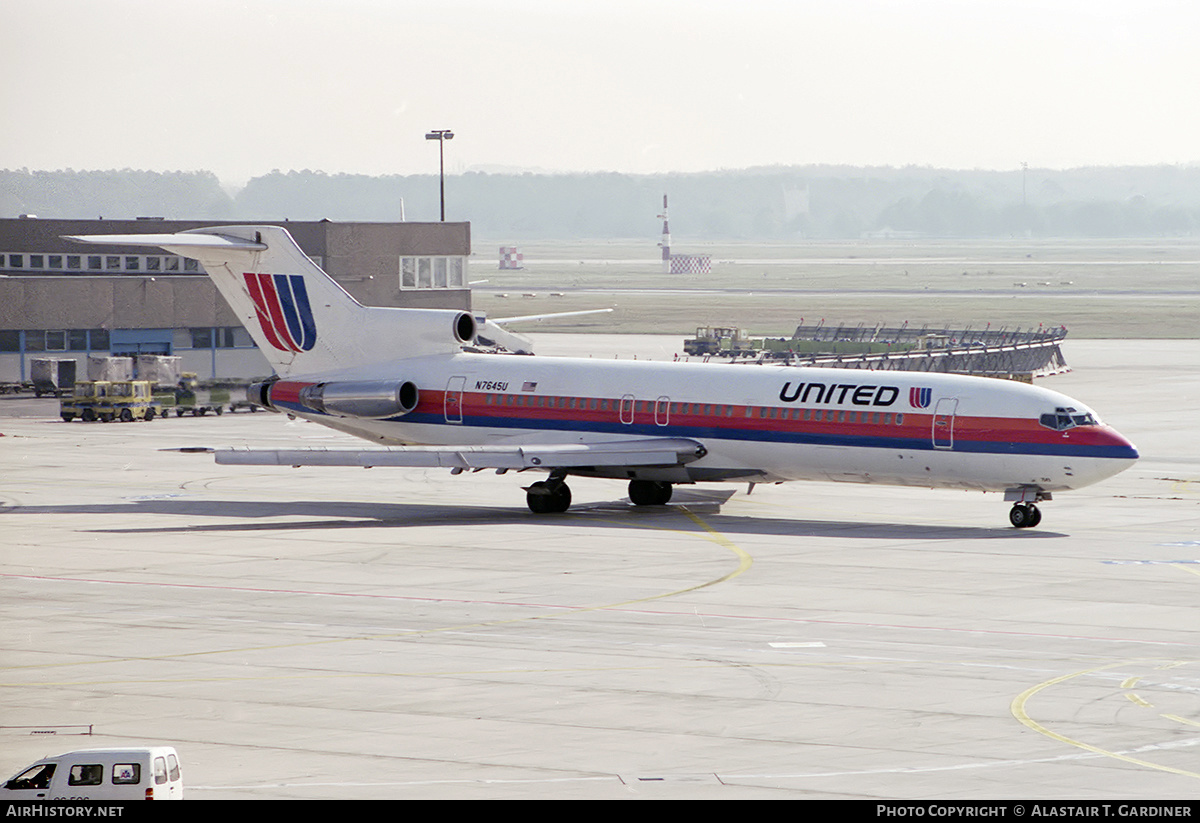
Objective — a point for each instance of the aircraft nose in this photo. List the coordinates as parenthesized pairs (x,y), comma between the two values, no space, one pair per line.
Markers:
(1103,452)
(1114,452)
(1117,444)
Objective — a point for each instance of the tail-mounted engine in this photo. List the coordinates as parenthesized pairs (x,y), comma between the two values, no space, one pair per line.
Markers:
(375,399)
(260,393)
(371,399)
(465,328)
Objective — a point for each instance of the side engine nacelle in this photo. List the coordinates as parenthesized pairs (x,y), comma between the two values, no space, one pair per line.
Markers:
(260,393)
(375,399)
(418,331)
(372,399)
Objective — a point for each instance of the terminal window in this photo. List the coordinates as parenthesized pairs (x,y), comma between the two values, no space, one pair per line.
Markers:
(442,272)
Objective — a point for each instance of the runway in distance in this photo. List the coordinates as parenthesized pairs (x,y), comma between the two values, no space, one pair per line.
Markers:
(405,380)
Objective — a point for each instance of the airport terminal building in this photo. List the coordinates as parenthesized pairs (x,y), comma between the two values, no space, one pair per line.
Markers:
(65,299)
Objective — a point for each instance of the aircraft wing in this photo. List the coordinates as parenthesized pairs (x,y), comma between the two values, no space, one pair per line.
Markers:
(657,451)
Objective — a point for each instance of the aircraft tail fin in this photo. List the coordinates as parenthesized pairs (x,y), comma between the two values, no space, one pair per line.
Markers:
(300,317)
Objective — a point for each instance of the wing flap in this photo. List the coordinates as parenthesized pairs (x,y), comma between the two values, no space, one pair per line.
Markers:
(646,452)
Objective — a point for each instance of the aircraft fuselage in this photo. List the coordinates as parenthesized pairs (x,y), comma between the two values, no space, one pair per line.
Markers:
(758,423)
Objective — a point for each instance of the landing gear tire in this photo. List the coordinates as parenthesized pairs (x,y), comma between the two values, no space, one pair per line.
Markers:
(548,498)
(1024,516)
(649,492)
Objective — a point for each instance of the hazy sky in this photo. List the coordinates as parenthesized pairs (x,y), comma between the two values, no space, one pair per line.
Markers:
(241,87)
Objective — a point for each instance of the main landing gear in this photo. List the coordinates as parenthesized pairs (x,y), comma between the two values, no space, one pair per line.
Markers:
(1024,516)
(649,492)
(553,496)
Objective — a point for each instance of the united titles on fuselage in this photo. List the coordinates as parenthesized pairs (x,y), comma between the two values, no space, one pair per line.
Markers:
(837,394)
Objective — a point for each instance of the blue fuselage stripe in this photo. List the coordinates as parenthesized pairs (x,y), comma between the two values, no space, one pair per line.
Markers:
(775,436)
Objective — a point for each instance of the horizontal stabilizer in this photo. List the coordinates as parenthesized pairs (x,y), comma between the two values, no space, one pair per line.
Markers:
(647,452)
(181,241)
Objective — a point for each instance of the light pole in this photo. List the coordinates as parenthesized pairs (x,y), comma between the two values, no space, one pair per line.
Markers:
(441,135)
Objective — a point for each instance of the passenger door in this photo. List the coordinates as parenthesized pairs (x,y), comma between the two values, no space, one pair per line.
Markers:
(453,401)
(943,423)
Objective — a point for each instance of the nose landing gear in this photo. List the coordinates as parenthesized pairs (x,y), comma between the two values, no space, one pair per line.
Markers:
(1024,516)
(1024,513)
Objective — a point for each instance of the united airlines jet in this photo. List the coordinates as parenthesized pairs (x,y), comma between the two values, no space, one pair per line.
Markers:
(402,379)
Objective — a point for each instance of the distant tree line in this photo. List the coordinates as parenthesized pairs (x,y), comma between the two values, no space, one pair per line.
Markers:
(115,194)
(775,203)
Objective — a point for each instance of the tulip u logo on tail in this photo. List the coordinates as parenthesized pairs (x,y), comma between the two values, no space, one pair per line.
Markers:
(283,310)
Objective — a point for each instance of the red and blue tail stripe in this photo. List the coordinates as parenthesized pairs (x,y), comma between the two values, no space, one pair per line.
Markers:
(284,312)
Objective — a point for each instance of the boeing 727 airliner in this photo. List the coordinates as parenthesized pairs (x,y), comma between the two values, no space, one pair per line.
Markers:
(401,379)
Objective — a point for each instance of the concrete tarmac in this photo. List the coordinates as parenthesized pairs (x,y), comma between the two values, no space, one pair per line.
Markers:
(401,633)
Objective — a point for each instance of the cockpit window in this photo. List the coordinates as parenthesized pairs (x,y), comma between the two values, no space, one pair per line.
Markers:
(1066,417)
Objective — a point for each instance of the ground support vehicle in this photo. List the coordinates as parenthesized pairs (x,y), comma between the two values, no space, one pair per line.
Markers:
(191,397)
(142,773)
(88,395)
(723,342)
(104,400)
(52,375)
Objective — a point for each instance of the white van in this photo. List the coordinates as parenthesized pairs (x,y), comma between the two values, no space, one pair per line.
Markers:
(150,773)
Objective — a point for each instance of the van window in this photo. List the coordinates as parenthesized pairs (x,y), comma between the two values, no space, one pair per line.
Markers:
(37,777)
(160,770)
(125,774)
(173,762)
(90,774)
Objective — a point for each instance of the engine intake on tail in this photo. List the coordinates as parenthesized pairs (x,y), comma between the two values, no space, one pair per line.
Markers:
(374,399)
(465,328)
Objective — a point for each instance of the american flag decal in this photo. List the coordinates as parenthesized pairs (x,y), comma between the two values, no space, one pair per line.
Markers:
(284,312)
(920,398)
(528,386)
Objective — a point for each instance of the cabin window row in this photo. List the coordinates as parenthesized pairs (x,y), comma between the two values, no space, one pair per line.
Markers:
(701,409)
(829,416)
